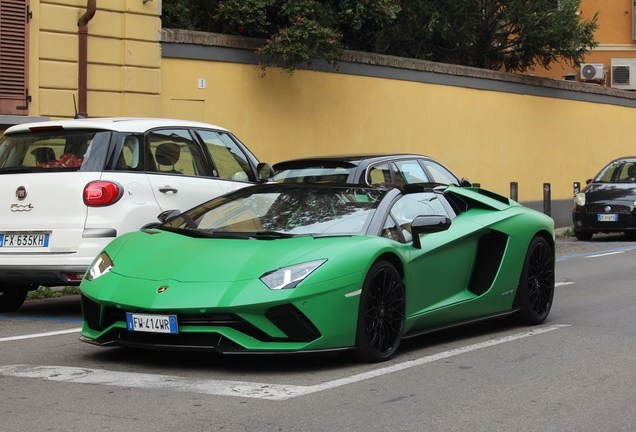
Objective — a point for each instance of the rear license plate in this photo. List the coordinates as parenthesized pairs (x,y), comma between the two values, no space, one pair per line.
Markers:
(24,240)
(607,217)
(152,323)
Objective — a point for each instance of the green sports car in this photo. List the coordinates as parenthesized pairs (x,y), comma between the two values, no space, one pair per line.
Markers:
(279,268)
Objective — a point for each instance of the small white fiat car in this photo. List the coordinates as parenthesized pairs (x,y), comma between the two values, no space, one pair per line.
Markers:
(68,187)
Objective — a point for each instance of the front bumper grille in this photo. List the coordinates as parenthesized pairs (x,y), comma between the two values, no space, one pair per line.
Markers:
(600,208)
(588,218)
(296,326)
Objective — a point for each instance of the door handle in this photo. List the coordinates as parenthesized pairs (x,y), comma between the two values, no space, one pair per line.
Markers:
(167,189)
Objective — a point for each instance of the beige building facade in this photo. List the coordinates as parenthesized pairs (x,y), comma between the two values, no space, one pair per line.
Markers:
(493,128)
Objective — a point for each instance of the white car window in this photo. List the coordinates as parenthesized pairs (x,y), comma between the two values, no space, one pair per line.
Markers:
(228,158)
(175,152)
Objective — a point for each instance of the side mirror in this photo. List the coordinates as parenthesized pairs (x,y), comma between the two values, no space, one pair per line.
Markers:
(163,216)
(168,214)
(265,171)
(588,181)
(465,183)
(428,225)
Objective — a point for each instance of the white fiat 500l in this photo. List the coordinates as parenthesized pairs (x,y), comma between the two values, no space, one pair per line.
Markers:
(68,187)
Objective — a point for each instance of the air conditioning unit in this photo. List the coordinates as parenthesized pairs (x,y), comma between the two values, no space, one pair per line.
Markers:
(592,72)
(623,73)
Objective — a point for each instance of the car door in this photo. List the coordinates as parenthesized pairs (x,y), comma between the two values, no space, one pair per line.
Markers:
(179,173)
(437,274)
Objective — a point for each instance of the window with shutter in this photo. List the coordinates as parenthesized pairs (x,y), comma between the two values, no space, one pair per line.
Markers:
(14,17)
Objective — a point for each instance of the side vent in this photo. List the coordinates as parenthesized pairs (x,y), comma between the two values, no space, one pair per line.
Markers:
(91,312)
(490,252)
(502,199)
(293,323)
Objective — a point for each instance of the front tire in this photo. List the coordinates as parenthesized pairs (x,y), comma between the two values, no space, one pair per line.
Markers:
(381,314)
(536,287)
(12,298)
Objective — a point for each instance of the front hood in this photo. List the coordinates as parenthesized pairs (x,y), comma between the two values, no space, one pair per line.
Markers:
(164,255)
(610,192)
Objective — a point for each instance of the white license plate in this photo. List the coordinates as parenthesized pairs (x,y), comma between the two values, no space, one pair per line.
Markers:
(19,240)
(152,323)
(608,218)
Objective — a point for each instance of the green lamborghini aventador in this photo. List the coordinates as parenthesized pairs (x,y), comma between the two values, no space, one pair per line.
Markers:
(279,268)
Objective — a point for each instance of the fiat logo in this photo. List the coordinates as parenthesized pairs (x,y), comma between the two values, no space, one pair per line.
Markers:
(21,193)
(162,289)
(608,209)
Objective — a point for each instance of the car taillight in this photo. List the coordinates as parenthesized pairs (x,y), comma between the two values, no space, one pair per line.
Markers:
(102,193)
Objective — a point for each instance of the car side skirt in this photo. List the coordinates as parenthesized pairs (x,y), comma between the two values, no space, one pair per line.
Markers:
(460,323)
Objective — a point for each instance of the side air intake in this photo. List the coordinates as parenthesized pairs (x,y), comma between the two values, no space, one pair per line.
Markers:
(490,252)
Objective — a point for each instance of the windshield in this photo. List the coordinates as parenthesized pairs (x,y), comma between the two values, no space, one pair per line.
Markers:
(275,211)
(54,150)
(621,171)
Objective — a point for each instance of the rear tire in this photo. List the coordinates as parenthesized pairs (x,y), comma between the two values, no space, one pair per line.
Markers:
(536,287)
(381,314)
(12,298)
(583,235)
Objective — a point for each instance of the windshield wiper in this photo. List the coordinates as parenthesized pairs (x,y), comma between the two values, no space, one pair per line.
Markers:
(250,235)
(242,235)
(271,235)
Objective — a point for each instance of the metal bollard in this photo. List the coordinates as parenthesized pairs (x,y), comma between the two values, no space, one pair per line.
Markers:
(547,200)
(577,189)
(514,191)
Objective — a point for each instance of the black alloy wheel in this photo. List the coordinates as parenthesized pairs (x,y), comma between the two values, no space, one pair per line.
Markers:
(381,314)
(536,287)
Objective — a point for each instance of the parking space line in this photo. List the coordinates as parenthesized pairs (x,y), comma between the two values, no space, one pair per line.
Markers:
(36,335)
(604,254)
(36,318)
(236,388)
(587,254)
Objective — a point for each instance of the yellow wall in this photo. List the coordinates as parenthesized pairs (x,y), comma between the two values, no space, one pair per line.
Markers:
(124,58)
(490,137)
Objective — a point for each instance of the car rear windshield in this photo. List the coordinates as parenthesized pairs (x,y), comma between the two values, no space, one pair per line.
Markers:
(283,210)
(54,150)
(314,174)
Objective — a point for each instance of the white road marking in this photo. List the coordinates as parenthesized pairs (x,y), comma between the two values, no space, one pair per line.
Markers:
(558,284)
(36,335)
(605,254)
(235,388)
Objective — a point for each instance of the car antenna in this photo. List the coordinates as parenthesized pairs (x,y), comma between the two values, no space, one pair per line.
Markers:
(77,116)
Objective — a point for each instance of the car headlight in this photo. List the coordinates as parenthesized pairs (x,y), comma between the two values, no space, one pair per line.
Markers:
(580,199)
(290,277)
(102,265)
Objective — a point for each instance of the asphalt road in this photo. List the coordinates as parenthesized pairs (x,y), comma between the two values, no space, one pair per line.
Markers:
(573,373)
